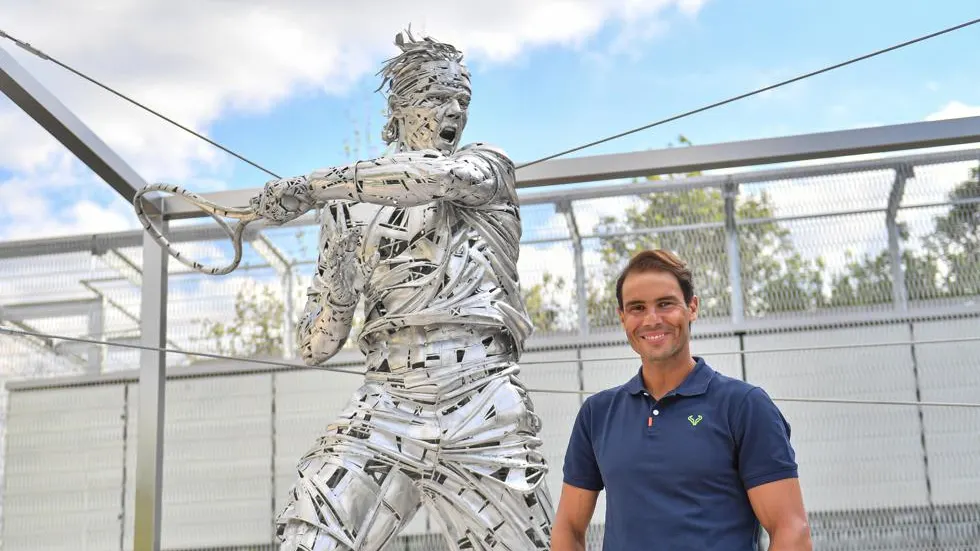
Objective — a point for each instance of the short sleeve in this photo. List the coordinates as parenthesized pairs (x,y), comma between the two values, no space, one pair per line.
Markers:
(763,441)
(581,468)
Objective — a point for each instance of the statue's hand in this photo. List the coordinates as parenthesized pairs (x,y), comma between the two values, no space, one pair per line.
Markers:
(349,272)
(283,200)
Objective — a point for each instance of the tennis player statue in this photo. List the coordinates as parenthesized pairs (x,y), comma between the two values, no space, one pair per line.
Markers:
(428,237)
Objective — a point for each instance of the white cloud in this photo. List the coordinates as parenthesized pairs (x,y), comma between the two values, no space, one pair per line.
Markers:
(198,62)
(954,110)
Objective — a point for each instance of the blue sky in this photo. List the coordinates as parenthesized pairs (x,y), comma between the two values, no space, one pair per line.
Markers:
(288,85)
(555,98)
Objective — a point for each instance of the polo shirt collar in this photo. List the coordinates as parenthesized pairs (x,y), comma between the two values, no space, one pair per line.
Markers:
(695,384)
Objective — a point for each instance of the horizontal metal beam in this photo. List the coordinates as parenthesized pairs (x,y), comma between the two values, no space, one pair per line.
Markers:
(821,145)
(751,176)
(31,96)
(101,243)
(52,309)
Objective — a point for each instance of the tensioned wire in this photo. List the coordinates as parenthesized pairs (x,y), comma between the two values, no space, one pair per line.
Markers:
(273,363)
(42,55)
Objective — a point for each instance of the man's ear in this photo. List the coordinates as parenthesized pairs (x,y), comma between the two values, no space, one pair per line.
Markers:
(695,307)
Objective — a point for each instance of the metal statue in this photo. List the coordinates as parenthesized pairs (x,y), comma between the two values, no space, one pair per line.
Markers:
(428,237)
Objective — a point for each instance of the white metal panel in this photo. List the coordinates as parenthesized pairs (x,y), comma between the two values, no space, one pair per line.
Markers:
(557,411)
(217,462)
(851,456)
(950,372)
(64,469)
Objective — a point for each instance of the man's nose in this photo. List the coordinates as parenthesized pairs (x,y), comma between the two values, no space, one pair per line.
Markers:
(652,318)
(453,110)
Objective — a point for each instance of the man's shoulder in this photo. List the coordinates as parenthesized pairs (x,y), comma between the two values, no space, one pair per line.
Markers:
(732,386)
(604,400)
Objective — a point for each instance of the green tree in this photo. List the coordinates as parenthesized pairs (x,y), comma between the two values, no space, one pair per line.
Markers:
(869,280)
(956,239)
(948,265)
(542,303)
(256,329)
(775,276)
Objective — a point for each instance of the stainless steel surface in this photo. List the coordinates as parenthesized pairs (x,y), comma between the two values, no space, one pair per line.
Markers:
(152,387)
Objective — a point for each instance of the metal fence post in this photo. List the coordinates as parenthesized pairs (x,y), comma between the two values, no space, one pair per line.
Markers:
(899,289)
(581,293)
(730,194)
(288,323)
(152,390)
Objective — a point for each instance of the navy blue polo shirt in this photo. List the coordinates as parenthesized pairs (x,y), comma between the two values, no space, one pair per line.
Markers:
(676,471)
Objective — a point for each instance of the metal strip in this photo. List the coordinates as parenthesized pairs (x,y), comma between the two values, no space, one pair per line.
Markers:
(752,176)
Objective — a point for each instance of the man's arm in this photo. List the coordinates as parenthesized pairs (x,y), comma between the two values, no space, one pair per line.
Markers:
(575,508)
(582,484)
(768,469)
(779,507)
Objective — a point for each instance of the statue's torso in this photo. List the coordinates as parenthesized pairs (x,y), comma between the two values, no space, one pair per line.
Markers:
(445,292)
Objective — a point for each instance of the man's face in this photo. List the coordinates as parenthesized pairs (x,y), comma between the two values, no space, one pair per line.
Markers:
(435,115)
(655,317)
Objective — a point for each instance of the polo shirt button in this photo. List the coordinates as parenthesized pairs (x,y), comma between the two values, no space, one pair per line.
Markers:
(656,412)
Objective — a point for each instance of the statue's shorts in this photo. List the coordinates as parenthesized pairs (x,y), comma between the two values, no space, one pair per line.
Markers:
(470,454)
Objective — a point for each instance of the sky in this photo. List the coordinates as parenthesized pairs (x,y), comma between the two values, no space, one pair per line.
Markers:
(292,85)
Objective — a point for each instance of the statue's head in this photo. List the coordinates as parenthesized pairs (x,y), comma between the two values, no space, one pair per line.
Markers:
(428,95)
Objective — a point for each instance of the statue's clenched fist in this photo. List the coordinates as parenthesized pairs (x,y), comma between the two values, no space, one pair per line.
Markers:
(283,200)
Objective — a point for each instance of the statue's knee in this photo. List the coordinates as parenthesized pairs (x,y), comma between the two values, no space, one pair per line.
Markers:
(297,535)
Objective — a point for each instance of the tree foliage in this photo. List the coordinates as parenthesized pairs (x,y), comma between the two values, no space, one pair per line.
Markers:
(255,330)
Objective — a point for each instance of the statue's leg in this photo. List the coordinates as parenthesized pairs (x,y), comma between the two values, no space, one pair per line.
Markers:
(355,490)
(480,515)
(489,486)
(350,502)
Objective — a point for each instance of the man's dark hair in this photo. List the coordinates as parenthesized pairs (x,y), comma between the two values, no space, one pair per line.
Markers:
(657,260)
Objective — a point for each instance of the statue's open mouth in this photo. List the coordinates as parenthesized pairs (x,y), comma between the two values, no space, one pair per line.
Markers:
(448,133)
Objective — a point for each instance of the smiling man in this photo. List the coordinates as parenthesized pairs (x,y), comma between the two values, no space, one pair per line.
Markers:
(689,459)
